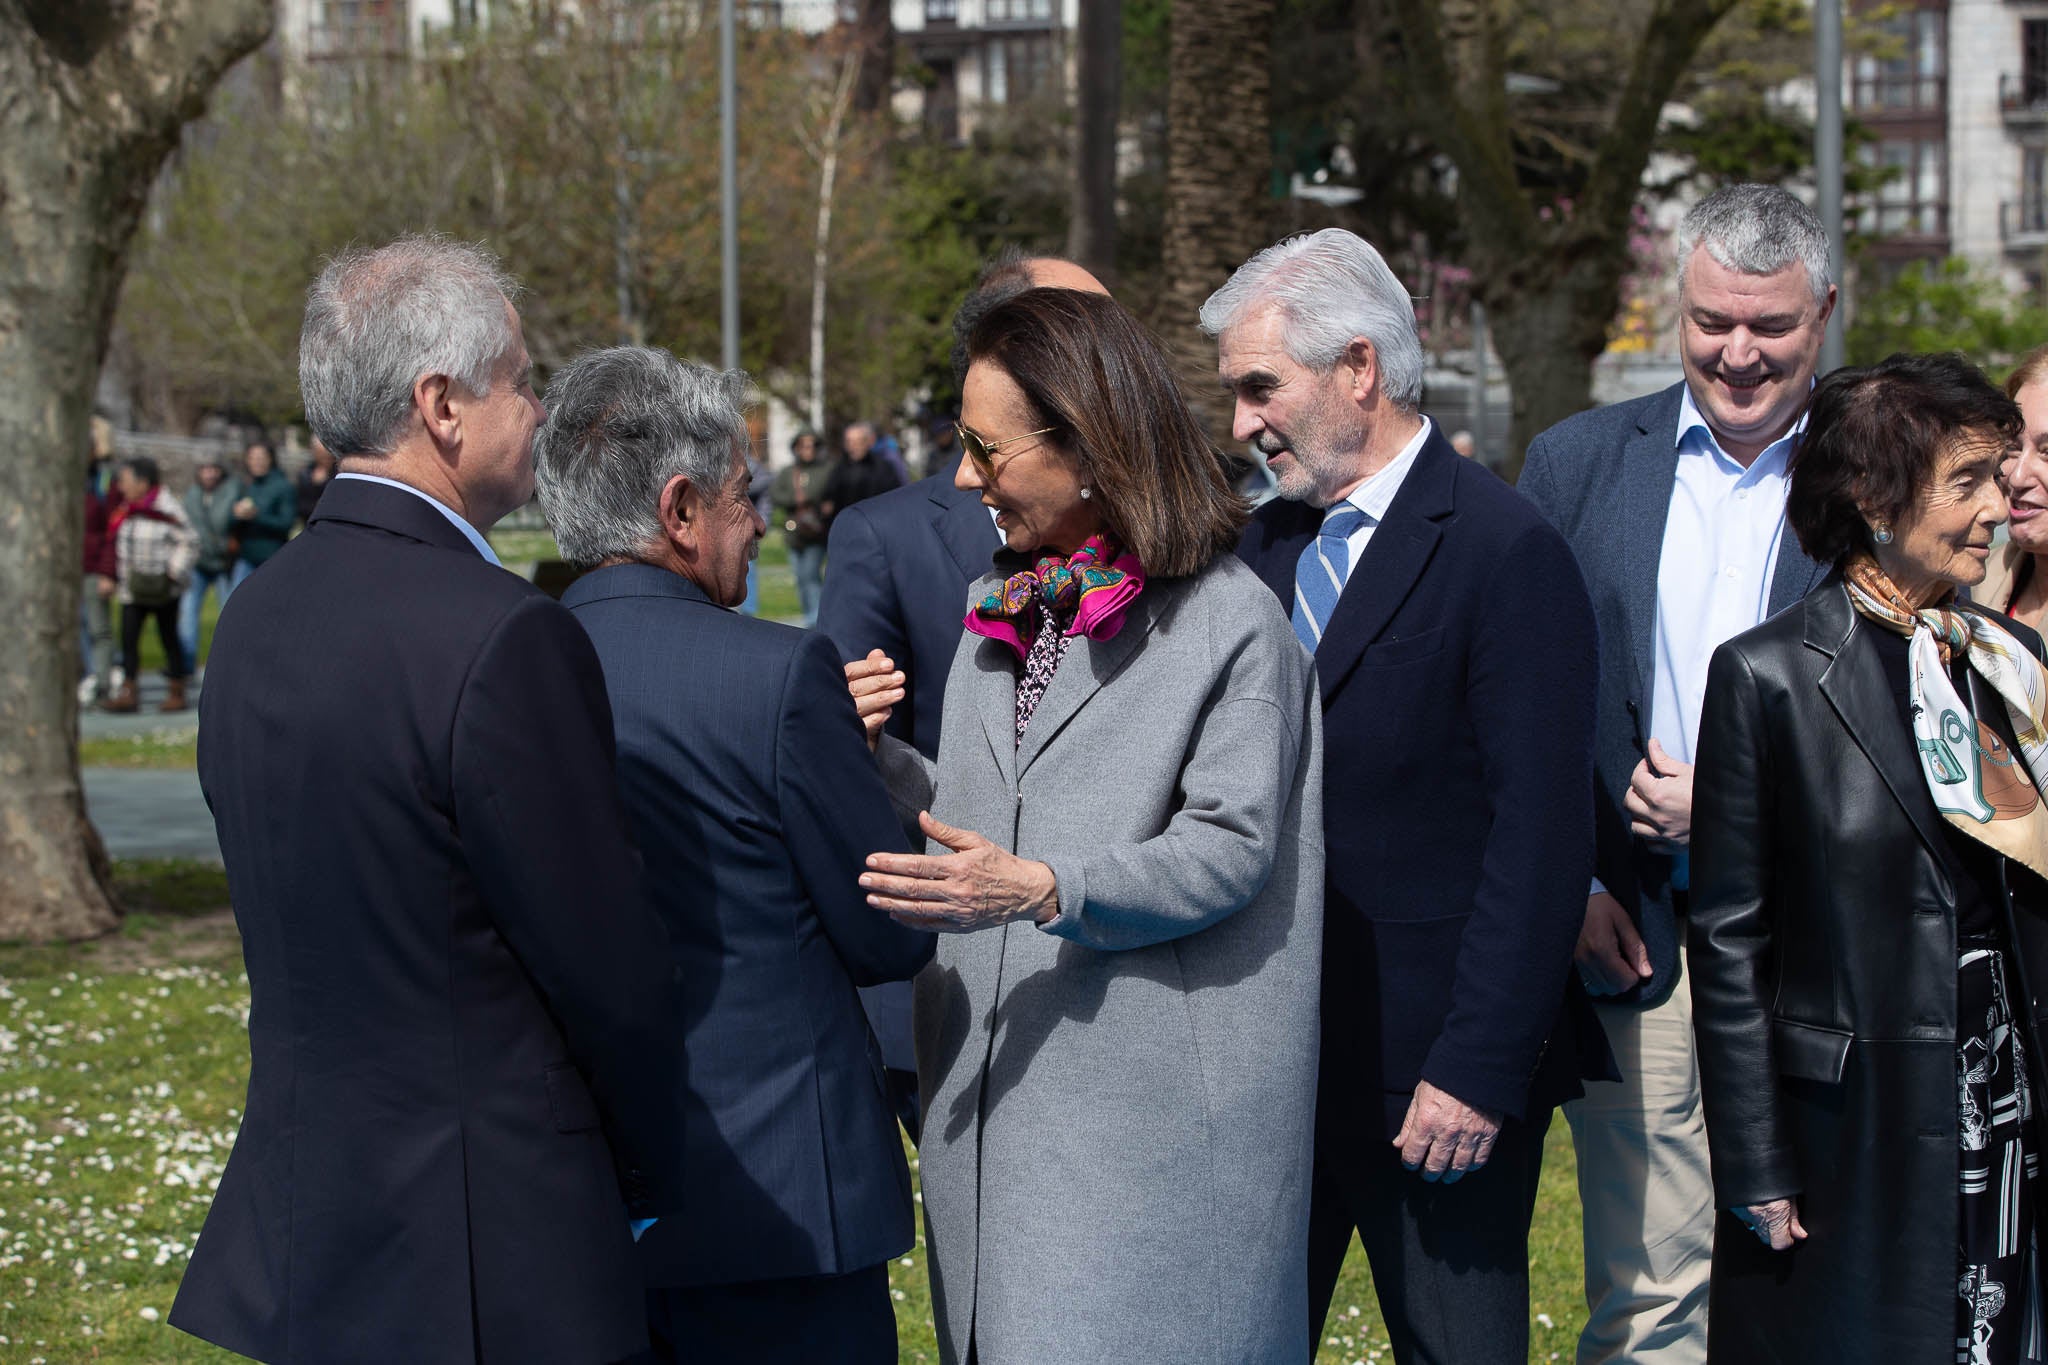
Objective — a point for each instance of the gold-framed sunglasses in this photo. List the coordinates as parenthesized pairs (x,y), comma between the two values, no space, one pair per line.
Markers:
(983,452)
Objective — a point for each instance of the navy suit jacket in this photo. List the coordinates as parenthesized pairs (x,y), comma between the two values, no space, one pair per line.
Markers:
(755,801)
(454,981)
(1604,479)
(898,569)
(1457,677)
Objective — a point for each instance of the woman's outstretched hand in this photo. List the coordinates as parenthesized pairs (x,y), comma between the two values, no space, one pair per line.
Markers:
(975,886)
(876,686)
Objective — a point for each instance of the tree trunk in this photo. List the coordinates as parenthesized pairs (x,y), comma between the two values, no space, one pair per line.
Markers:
(92,96)
(1098,97)
(826,149)
(1549,382)
(875,41)
(1218,173)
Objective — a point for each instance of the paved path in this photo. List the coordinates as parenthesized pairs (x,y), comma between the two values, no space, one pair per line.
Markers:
(150,813)
(94,723)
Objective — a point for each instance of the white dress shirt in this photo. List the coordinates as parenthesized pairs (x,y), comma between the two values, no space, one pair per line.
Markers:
(483,547)
(1376,495)
(1721,539)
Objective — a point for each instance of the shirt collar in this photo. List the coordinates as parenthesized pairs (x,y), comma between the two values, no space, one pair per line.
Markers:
(455,519)
(1696,437)
(1376,494)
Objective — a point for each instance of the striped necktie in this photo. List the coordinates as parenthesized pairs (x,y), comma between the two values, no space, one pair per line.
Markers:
(1320,573)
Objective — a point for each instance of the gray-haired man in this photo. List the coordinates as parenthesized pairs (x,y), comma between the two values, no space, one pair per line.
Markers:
(747,778)
(457,992)
(1675,507)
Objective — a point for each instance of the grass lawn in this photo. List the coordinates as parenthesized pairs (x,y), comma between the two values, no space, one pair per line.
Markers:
(123,1064)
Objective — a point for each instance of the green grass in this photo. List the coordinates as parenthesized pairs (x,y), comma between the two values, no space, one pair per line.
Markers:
(166,748)
(123,1064)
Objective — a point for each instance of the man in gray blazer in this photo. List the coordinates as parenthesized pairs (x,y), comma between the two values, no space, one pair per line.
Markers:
(1675,507)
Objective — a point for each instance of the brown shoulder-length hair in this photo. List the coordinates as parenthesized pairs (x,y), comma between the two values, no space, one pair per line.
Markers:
(2033,368)
(1872,438)
(1095,375)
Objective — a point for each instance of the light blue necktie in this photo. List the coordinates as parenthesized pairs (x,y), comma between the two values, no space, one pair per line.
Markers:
(1320,573)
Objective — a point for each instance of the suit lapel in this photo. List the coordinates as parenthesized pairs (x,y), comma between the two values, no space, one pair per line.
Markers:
(964,528)
(1292,525)
(1855,685)
(1649,471)
(1400,549)
(1794,575)
(1088,665)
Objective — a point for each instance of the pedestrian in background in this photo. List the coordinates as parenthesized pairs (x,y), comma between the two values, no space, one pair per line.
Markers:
(799,498)
(210,507)
(96,592)
(312,481)
(863,474)
(264,513)
(154,550)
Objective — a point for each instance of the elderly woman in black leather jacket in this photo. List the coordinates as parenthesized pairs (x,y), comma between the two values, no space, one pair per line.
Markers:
(1867,924)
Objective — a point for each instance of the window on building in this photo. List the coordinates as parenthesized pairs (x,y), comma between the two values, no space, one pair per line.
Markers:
(941,11)
(1017,67)
(2031,213)
(1913,201)
(1915,73)
(2034,62)
(942,99)
(1019,11)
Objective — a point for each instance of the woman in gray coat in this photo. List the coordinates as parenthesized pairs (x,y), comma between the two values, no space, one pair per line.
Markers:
(1117,1039)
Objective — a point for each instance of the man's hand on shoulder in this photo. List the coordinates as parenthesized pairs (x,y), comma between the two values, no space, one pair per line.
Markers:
(1444,1137)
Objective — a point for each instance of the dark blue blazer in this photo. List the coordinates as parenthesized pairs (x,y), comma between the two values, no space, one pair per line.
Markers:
(896,577)
(456,989)
(1457,676)
(898,567)
(755,801)
(1604,478)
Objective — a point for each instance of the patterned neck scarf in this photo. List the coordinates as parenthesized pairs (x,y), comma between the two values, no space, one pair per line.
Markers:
(1978,784)
(1094,587)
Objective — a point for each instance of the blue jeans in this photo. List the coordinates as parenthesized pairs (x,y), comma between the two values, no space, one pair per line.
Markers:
(222,582)
(809,564)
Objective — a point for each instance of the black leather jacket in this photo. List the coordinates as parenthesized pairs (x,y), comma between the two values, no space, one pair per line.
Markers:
(1823,957)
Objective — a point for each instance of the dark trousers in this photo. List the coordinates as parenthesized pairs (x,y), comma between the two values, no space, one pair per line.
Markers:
(1450,1261)
(847,1319)
(166,615)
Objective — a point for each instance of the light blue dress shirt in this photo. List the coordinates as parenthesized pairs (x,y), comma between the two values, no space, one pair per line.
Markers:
(483,547)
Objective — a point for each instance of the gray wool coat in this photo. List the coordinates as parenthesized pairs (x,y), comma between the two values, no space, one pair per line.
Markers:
(1119,1105)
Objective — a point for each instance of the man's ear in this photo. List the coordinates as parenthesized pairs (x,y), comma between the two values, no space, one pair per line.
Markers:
(1362,362)
(682,511)
(442,419)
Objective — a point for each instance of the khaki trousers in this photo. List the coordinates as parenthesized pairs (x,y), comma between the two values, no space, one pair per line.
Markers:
(1646,1191)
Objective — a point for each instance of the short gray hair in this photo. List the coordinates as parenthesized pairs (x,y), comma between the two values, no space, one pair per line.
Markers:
(1330,286)
(379,318)
(621,423)
(1757,230)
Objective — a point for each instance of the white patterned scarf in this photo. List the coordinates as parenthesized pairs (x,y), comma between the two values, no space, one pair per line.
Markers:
(1978,784)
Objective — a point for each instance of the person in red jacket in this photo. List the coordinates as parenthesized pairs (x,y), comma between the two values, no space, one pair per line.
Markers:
(96,593)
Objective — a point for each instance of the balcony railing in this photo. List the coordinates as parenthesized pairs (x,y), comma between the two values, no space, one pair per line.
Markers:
(2023,222)
(2024,98)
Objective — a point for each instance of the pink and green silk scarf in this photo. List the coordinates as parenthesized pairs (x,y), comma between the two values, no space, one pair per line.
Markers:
(1096,585)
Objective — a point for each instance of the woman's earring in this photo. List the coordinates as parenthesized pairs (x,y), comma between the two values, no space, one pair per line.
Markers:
(1881,533)
(1089,493)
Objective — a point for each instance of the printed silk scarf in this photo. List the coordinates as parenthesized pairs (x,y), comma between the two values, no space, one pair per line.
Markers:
(1978,784)
(1095,586)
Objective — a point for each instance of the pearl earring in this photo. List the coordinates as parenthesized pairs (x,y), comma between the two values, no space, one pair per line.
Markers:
(1089,493)
(1881,533)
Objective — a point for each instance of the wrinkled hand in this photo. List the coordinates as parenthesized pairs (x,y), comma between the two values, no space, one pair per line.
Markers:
(876,688)
(1444,1136)
(1611,955)
(1659,799)
(1776,1223)
(976,886)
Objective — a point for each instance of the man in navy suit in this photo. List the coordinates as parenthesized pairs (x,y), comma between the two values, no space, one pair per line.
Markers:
(747,777)
(1455,649)
(1675,507)
(457,991)
(898,570)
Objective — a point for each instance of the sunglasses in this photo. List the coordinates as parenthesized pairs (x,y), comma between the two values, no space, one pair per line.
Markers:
(983,452)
